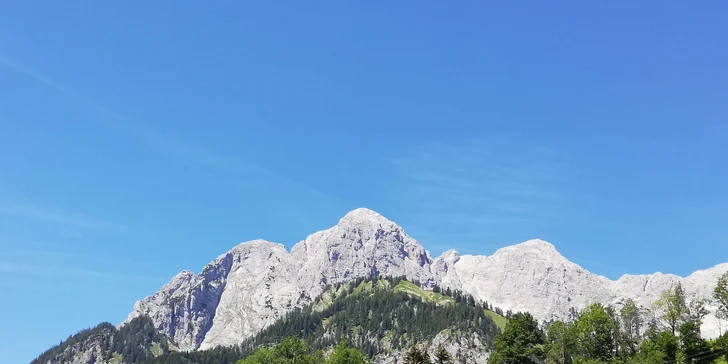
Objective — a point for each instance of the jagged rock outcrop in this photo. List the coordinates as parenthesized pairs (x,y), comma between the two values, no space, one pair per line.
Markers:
(105,344)
(85,347)
(260,287)
(256,282)
(363,243)
(467,348)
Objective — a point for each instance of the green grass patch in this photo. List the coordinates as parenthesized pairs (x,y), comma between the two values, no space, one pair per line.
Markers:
(156,349)
(412,289)
(362,287)
(499,320)
(116,359)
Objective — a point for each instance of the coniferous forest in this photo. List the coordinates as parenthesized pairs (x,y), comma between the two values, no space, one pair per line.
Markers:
(372,315)
(354,322)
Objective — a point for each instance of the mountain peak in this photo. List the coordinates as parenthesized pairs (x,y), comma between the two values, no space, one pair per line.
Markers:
(363,214)
(538,243)
(533,245)
(257,243)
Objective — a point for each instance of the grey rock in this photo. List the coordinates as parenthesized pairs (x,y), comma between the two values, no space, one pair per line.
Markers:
(249,287)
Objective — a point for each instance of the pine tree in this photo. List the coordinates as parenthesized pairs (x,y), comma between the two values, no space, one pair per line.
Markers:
(442,356)
(416,356)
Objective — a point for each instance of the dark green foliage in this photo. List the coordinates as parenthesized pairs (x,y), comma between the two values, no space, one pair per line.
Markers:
(218,355)
(692,345)
(293,350)
(522,342)
(343,354)
(595,333)
(415,355)
(442,356)
(663,342)
(103,332)
(133,342)
(561,343)
(720,295)
(365,319)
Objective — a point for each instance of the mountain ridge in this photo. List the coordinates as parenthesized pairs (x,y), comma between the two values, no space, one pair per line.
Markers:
(247,288)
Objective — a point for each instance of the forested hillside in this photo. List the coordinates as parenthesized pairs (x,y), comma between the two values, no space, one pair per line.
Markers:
(393,320)
(377,316)
(135,342)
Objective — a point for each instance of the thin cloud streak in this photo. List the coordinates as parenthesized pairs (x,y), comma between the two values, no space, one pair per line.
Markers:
(55,254)
(499,178)
(7,268)
(490,189)
(22,69)
(50,215)
(163,142)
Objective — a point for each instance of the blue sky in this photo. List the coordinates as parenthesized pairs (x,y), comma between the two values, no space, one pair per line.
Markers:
(138,139)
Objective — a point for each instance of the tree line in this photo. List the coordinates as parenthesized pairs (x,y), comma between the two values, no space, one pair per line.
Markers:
(367,315)
(133,342)
(602,334)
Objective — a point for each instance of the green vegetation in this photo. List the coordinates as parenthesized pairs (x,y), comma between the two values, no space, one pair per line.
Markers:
(415,355)
(375,318)
(600,334)
(522,342)
(380,315)
(412,289)
(116,359)
(135,342)
(376,315)
(499,320)
(720,295)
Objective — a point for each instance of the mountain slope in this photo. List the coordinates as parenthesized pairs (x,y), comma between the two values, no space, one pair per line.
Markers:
(136,342)
(379,316)
(248,288)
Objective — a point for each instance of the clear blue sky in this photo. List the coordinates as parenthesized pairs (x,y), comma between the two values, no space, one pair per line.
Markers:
(138,139)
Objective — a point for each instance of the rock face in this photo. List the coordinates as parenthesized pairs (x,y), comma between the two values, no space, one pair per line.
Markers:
(462,348)
(87,350)
(247,288)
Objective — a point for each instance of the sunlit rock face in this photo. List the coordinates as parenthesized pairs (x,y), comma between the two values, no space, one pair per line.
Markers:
(249,287)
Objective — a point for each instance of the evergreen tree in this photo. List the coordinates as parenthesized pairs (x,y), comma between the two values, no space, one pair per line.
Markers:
(692,345)
(521,342)
(631,323)
(416,356)
(442,356)
(697,311)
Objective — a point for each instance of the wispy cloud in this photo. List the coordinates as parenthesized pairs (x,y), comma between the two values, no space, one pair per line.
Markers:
(9,268)
(481,186)
(499,178)
(163,142)
(56,216)
(55,254)
(20,68)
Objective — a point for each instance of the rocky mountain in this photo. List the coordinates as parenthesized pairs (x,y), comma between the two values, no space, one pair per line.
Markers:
(136,342)
(248,288)
(379,316)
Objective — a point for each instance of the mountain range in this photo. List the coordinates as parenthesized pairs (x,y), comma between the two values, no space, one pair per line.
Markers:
(248,288)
